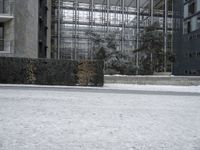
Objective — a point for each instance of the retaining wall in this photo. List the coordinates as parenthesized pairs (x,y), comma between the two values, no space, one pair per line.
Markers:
(154,80)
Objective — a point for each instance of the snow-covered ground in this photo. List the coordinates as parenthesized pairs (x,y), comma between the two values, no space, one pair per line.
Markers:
(66,120)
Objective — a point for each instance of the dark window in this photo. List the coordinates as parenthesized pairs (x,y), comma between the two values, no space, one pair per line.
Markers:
(192,8)
(1,37)
(1,31)
(188,27)
(42,30)
(190,55)
(194,72)
(45,52)
(186,72)
(40,3)
(40,50)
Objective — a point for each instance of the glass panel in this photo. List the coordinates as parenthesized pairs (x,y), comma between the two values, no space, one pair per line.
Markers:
(1,38)
(194,23)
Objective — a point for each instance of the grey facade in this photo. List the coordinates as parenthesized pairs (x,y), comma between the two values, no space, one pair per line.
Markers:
(24,29)
(187,37)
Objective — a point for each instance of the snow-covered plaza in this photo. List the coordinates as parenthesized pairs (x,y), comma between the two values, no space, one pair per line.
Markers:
(42,118)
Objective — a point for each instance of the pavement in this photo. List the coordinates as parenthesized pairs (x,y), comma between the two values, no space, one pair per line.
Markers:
(113,90)
(81,118)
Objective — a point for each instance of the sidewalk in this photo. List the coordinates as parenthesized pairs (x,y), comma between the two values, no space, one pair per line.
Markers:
(133,87)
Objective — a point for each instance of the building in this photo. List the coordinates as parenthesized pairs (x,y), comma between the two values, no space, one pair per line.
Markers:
(23,28)
(57,28)
(71,19)
(187,37)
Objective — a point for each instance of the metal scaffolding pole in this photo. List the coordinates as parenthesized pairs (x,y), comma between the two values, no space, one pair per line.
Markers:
(103,17)
(165,34)
(91,24)
(172,44)
(92,13)
(172,40)
(75,30)
(108,12)
(152,21)
(59,29)
(137,34)
(152,11)
(123,26)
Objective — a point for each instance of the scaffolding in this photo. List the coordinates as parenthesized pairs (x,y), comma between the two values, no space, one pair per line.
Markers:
(71,19)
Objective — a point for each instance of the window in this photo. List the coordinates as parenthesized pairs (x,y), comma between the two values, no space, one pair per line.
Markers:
(185,30)
(186,72)
(188,27)
(190,55)
(40,3)
(1,38)
(192,8)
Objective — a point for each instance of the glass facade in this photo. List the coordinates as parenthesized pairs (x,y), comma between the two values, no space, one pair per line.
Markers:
(78,18)
(126,19)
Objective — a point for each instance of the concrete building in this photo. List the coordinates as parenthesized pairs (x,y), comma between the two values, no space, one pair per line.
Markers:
(187,37)
(23,28)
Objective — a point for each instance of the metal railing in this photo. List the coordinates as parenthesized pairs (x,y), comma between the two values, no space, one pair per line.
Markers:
(5,46)
(7,7)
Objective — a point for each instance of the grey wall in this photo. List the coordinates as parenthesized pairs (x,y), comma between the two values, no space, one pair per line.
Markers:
(26,28)
(154,80)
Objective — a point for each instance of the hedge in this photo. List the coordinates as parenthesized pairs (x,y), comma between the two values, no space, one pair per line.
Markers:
(50,72)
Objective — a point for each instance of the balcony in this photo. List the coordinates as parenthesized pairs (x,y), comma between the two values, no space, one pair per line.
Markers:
(5,46)
(6,10)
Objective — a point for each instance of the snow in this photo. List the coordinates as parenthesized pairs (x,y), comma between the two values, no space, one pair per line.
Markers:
(66,120)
